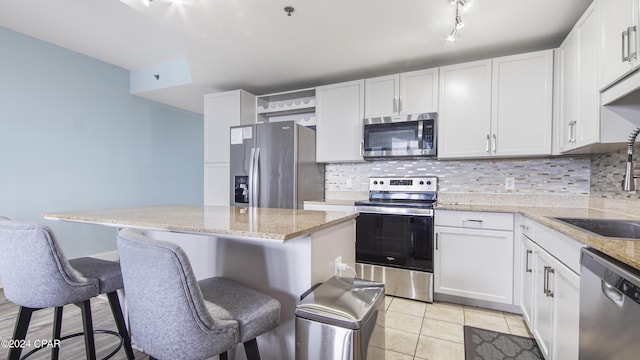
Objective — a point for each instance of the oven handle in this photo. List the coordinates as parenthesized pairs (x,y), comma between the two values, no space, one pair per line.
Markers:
(412,246)
(394,211)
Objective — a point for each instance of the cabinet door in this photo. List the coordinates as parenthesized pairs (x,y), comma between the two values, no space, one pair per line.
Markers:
(587,129)
(217,189)
(543,313)
(339,111)
(221,111)
(381,96)
(566,313)
(476,264)
(616,16)
(522,97)
(568,92)
(526,279)
(419,92)
(464,119)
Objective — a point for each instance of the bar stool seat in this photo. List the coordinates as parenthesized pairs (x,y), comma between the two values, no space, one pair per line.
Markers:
(167,306)
(37,275)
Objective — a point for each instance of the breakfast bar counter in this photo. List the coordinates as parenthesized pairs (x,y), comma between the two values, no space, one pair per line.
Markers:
(280,252)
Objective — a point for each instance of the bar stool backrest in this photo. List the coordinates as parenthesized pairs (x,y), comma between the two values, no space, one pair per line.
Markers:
(35,273)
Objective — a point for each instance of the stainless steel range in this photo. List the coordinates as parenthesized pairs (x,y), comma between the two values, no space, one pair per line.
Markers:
(394,235)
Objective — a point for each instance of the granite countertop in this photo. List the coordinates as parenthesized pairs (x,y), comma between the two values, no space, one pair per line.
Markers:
(627,251)
(265,223)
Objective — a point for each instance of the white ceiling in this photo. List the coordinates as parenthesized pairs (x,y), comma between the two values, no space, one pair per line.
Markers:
(254,45)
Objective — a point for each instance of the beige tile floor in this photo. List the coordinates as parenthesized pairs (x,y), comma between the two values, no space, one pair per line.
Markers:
(420,331)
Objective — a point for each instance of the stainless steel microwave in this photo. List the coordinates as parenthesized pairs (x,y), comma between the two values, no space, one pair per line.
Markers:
(407,136)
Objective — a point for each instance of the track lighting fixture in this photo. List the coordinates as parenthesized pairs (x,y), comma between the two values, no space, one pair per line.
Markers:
(459,24)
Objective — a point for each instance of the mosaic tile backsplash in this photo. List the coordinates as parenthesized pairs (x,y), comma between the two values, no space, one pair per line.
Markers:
(546,176)
(607,172)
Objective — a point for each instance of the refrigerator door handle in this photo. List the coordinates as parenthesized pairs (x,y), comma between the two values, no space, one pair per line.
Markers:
(251,176)
(255,169)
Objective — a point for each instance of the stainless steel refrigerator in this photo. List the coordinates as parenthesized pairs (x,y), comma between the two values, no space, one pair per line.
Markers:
(273,165)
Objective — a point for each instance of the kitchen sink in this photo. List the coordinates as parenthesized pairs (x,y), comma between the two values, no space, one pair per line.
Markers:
(628,229)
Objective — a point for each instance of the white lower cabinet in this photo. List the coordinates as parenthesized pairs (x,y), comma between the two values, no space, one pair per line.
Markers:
(473,255)
(550,290)
(526,278)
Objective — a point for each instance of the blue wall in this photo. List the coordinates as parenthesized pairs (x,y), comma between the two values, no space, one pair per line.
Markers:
(73,138)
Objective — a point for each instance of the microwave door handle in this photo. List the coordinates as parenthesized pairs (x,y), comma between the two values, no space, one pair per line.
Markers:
(420,135)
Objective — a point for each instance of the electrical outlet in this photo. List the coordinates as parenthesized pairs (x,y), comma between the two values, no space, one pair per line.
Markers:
(509,183)
(336,263)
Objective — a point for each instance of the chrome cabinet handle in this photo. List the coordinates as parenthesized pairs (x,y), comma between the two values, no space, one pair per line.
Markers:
(625,45)
(400,104)
(495,142)
(570,139)
(395,104)
(487,143)
(547,270)
(526,265)
(436,241)
(634,54)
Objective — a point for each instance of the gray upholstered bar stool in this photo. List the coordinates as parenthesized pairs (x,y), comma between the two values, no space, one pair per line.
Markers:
(173,316)
(36,275)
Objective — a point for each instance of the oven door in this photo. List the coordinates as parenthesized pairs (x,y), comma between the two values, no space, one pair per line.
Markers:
(404,241)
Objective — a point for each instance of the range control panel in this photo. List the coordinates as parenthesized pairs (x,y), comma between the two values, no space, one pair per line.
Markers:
(404,184)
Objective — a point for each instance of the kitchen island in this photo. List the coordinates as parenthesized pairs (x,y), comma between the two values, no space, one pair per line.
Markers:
(280,252)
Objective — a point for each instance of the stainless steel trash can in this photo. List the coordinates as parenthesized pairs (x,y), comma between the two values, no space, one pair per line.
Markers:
(342,319)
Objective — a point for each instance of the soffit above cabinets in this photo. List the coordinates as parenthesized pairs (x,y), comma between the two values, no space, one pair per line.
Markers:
(254,45)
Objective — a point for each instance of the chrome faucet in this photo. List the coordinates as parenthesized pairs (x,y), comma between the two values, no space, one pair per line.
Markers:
(629,181)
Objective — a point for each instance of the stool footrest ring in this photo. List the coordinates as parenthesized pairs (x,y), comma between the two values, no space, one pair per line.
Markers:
(109,332)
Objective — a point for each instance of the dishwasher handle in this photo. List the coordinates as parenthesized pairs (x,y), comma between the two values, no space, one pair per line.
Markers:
(612,293)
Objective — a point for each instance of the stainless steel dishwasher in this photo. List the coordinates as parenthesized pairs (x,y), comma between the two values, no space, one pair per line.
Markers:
(609,308)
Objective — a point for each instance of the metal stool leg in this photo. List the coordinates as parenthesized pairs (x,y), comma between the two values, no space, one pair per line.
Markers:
(20,330)
(57,329)
(116,310)
(87,324)
(251,349)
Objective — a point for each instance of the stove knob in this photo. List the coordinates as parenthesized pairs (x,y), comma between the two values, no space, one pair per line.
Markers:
(375,182)
(428,182)
(381,182)
(421,182)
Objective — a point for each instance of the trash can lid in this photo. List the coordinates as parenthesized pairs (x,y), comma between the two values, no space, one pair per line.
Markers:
(341,301)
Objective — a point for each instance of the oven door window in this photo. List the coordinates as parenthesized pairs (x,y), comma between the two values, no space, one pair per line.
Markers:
(391,136)
(395,240)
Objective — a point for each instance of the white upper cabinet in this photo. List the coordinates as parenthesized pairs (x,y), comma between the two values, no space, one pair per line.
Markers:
(464,119)
(619,39)
(339,111)
(221,111)
(522,100)
(579,98)
(400,94)
(419,92)
(499,107)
